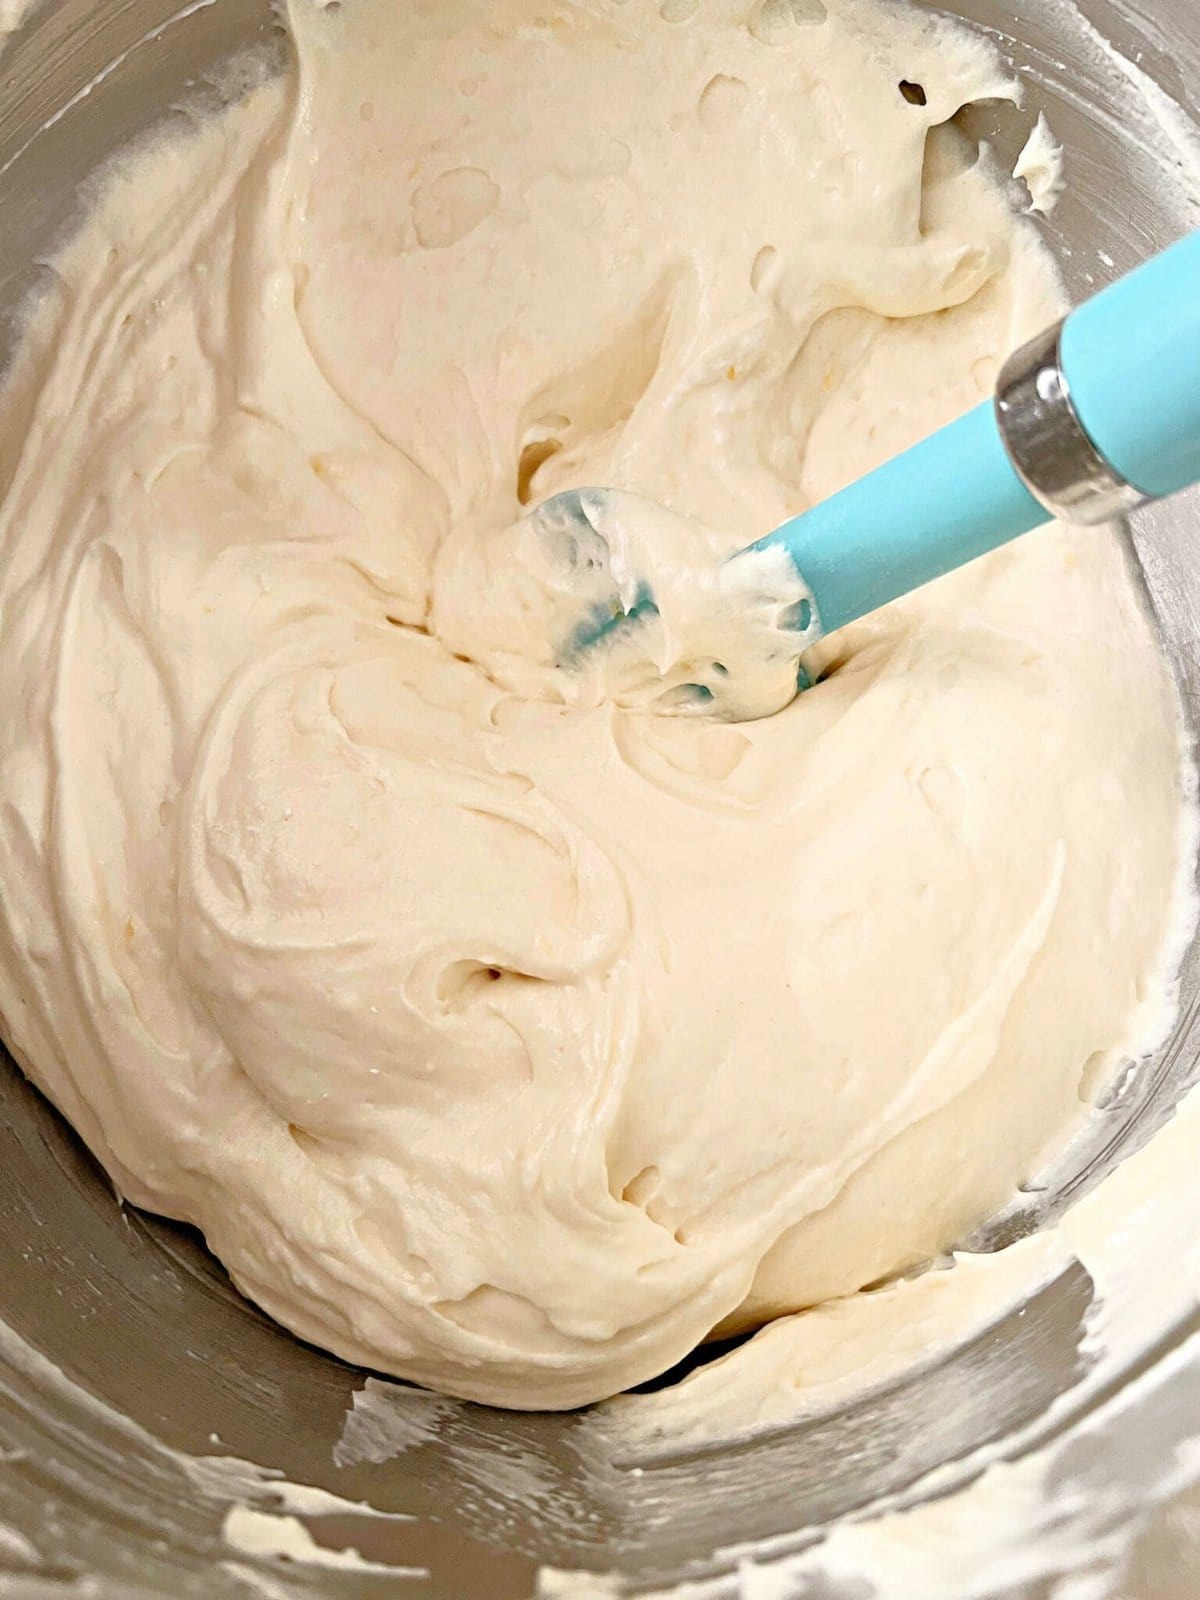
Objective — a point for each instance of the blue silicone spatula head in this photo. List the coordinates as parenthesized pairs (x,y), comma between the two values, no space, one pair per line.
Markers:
(1098,415)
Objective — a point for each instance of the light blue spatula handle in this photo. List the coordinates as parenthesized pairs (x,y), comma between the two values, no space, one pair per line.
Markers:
(1091,420)
(1132,358)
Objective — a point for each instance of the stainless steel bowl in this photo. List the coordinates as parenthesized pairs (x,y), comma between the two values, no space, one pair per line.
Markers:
(133,1378)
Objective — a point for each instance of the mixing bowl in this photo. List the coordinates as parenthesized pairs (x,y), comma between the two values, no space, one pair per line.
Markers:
(159,1436)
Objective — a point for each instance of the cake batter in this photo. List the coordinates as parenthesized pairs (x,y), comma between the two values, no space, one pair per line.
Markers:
(506,1045)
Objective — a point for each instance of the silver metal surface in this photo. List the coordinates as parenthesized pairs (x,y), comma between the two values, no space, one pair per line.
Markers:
(129,1365)
(1052,452)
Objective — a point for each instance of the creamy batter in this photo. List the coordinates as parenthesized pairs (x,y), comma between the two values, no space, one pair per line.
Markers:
(507,1045)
